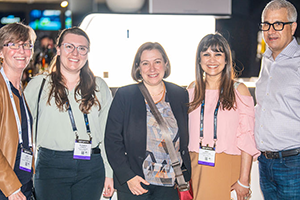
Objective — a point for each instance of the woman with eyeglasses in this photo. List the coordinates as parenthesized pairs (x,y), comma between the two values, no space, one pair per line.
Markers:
(16,157)
(71,116)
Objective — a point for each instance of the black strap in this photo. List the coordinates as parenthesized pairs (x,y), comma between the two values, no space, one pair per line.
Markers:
(37,108)
(182,185)
(151,104)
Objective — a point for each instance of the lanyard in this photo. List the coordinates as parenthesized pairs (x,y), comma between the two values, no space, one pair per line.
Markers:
(215,121)
(86,120)
(16,112)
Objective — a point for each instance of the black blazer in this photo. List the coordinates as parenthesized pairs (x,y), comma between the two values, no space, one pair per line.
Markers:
(126,132)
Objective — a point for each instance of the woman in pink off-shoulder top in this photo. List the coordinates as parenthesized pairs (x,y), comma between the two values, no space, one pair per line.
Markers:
(221,122)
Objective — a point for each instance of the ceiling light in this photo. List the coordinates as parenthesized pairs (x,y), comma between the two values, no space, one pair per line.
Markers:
(64,4)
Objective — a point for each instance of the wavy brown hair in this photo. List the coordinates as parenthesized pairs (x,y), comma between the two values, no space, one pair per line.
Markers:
(87,84)
(217,43)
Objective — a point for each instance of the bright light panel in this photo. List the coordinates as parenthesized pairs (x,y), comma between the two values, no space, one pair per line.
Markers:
(115,39)
(64,4)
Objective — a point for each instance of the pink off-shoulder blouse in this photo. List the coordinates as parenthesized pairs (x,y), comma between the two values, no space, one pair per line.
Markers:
(234,127)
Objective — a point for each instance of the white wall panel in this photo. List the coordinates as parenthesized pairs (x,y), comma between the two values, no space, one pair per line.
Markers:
(115,39)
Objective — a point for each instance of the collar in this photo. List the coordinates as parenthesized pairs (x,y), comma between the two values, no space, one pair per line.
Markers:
(14,90)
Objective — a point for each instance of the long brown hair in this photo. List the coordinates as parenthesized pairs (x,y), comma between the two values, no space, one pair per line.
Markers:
(87,84)
(217,43)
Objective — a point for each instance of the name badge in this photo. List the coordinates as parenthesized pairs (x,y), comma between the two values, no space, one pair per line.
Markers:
(82,149)
(233,195)
(207,156)
(26,160)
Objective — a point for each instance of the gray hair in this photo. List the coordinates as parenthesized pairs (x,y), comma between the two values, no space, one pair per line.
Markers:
(278,4)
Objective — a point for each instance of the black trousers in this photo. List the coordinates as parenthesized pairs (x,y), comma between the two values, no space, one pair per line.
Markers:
(154,193)
(60,177)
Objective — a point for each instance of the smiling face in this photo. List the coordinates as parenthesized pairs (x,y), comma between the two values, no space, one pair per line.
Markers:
(152,67)
(16,59)
(72,62)
(212,63)
(278,40)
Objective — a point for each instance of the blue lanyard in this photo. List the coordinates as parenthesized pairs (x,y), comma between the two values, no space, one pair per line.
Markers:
(215,121)
(86,120)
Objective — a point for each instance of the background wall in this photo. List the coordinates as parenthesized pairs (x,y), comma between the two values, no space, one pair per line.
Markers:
(240,29)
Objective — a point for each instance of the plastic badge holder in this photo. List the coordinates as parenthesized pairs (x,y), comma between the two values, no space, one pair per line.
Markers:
(233,195)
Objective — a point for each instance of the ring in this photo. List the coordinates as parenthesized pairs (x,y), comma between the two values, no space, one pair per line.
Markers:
(246,198)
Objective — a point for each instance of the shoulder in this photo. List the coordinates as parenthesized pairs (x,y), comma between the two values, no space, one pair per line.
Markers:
(191,85)
(100,82)
(102,90)
(174,87)
(242,89)
(35,82)
(128,95)
(128,91)
(176,92)
(37,79)
(129,88)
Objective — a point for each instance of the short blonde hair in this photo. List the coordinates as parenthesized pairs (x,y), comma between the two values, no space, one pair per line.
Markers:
(16,32)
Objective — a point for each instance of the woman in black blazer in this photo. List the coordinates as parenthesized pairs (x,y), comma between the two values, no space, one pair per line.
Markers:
(134,145)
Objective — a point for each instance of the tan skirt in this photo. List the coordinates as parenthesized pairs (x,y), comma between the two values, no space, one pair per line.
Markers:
(214,183)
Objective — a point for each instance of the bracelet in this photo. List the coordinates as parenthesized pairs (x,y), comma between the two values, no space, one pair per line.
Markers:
(244,186)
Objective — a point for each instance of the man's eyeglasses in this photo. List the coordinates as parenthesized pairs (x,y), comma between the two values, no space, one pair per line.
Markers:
(69,48)
(277,26)
(26,46)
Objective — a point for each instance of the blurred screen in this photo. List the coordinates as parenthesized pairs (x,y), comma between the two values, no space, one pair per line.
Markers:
(48,20)
(11,17)
(68,19)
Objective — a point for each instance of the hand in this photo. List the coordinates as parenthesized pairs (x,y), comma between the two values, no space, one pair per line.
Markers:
(108,187)
(242,193)
(135,187)
(17,196)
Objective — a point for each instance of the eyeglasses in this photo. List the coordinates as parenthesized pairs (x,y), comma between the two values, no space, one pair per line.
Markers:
(277,26)
(69,48)
(26,46)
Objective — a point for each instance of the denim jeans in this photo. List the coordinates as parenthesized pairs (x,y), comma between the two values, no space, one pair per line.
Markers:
(280,178)
(60,177)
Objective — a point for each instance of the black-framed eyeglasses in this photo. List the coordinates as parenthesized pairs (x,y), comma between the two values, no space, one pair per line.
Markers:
(26,46)
(69,48)
(277,26)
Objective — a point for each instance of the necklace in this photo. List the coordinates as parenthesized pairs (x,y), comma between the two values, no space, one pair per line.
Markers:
(158,93)
(161,92)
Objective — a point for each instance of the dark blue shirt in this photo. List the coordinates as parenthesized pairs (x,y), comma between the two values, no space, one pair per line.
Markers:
(23,176)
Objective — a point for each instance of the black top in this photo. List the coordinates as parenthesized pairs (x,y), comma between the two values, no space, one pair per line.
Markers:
(126,132)
(23,176)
